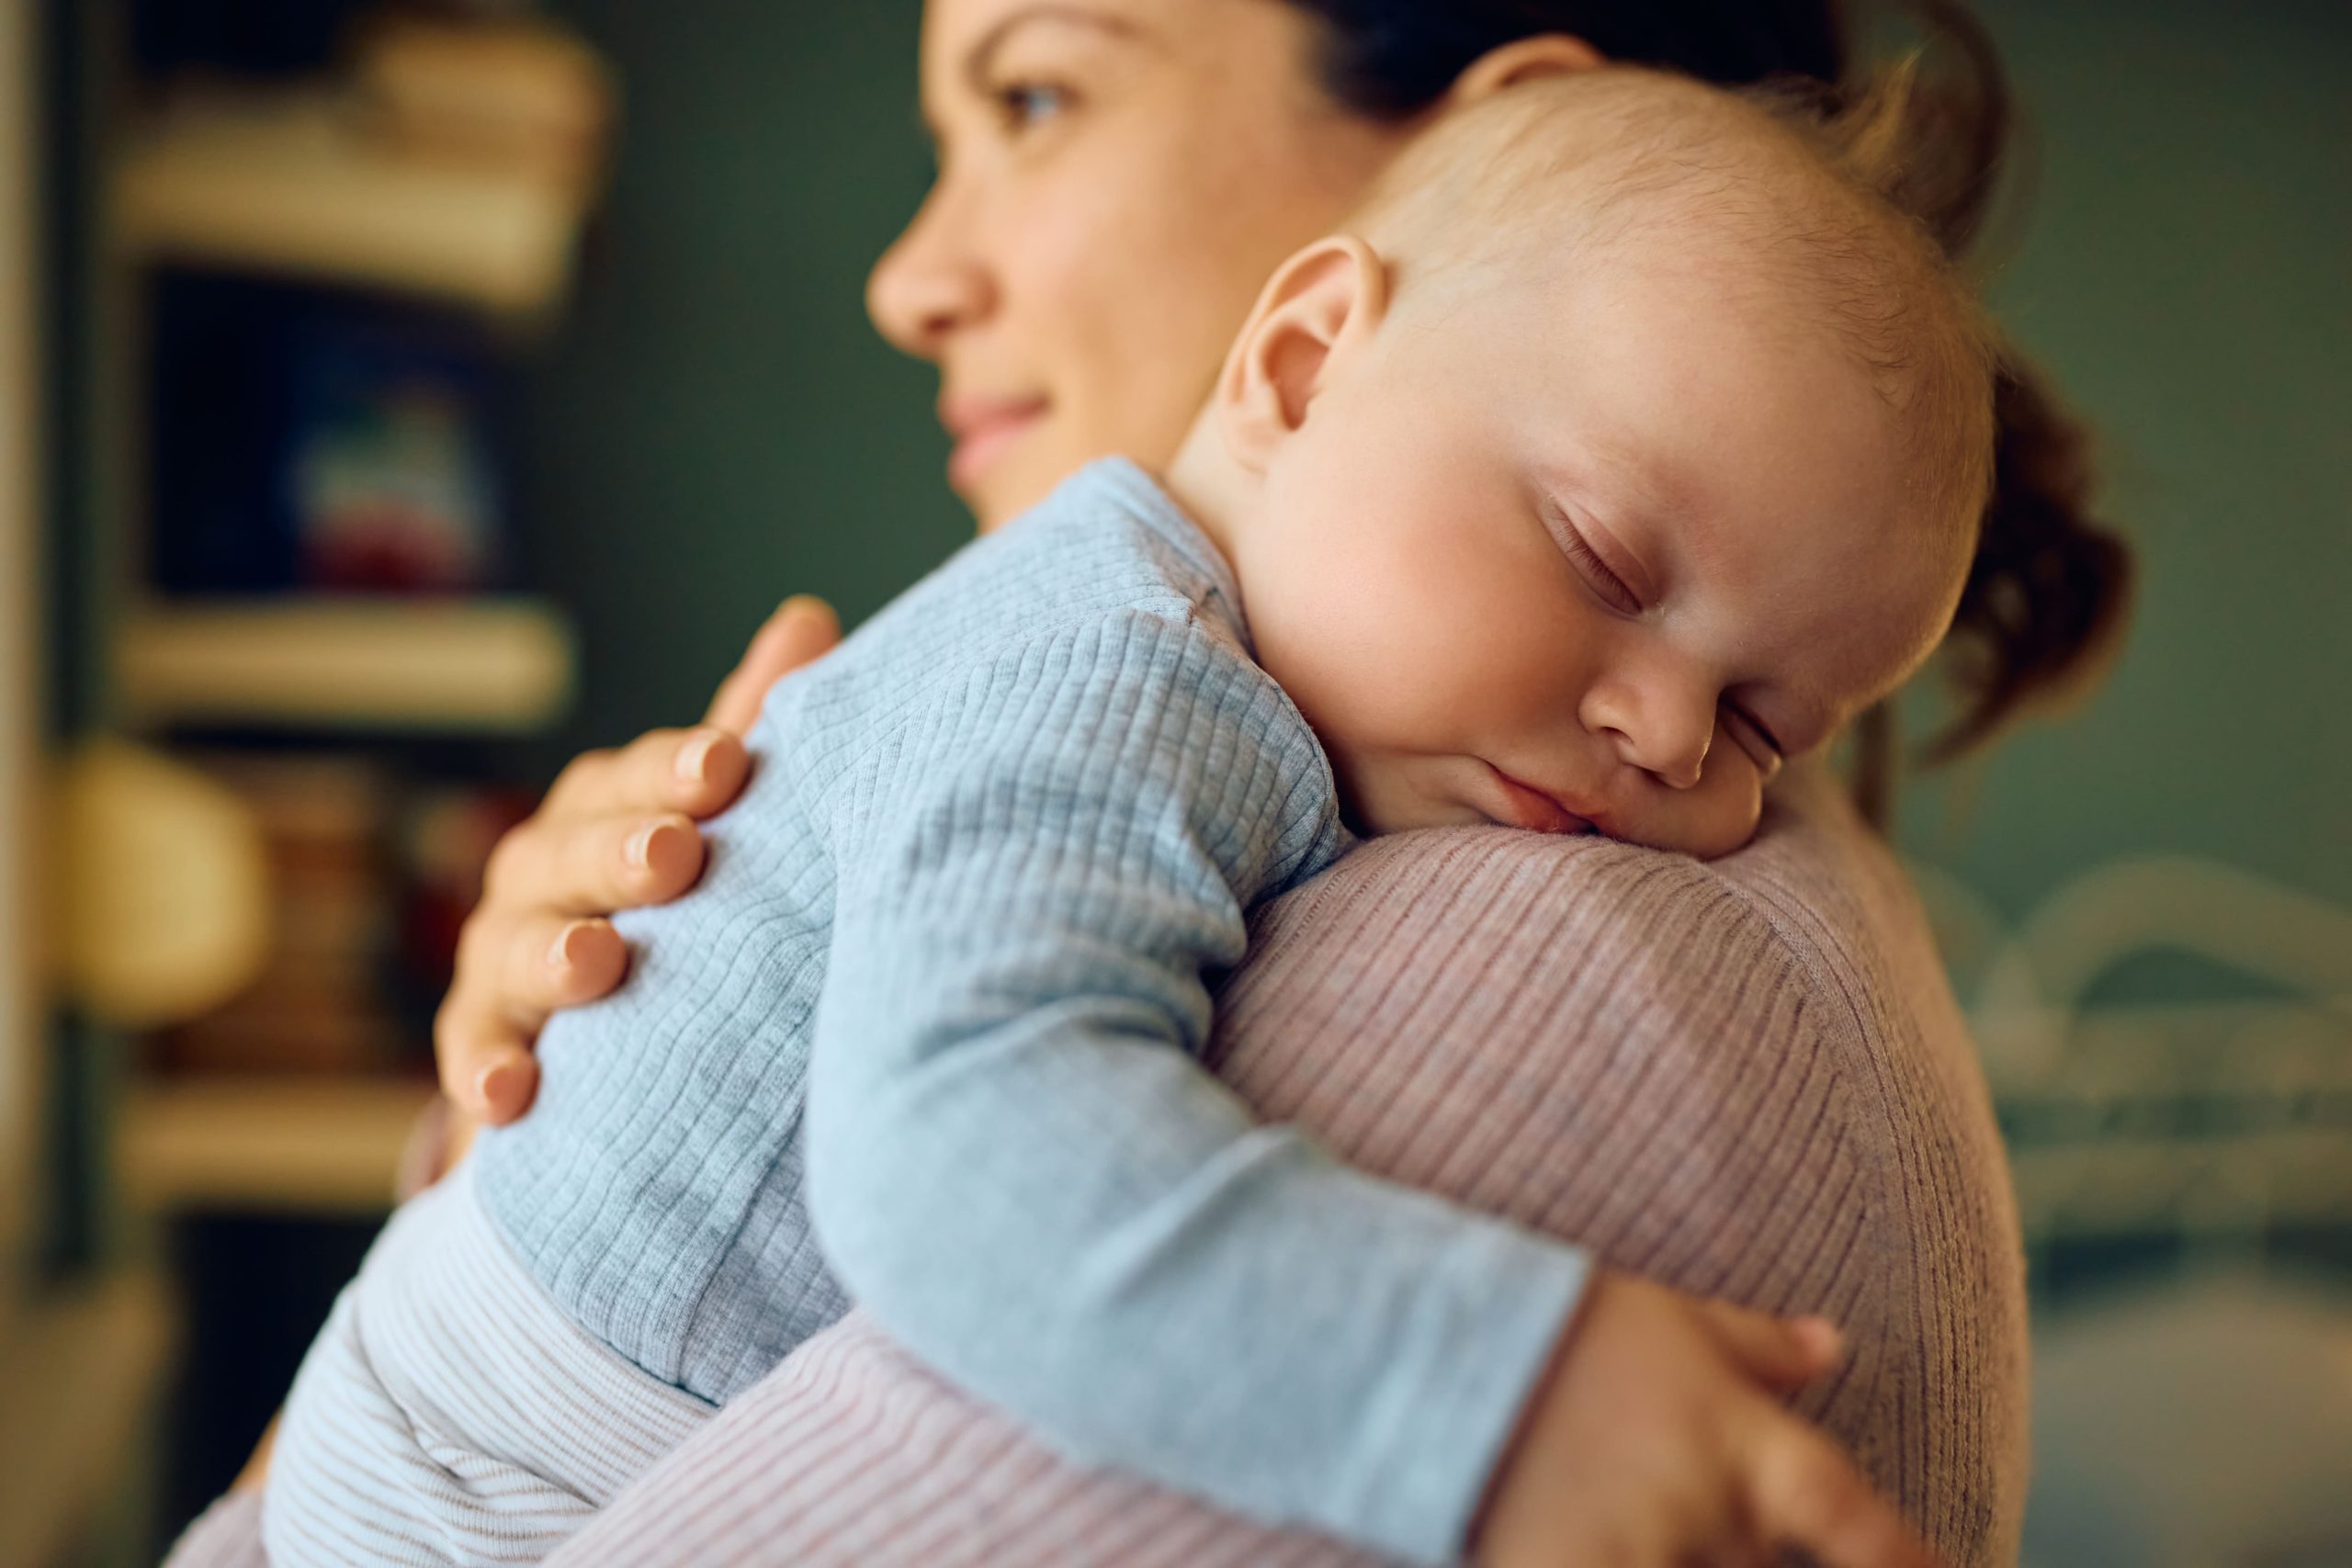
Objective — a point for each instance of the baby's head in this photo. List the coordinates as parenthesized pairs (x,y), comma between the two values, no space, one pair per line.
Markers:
(1625,445)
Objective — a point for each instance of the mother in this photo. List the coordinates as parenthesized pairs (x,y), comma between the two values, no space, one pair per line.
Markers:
(1745,1078)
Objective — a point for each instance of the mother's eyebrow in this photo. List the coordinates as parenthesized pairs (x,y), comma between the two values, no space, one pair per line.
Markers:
(981,56)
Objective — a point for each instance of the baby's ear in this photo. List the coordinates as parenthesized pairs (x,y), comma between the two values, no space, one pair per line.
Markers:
(1317,310)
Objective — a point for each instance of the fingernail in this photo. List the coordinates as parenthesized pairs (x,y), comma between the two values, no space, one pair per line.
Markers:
(640,847)
(498,1083)
(562,955)
(694,756)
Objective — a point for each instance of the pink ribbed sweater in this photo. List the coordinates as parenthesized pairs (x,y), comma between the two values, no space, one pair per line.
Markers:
(1744,1078)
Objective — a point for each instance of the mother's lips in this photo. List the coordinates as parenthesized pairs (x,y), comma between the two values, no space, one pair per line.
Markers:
(981,428)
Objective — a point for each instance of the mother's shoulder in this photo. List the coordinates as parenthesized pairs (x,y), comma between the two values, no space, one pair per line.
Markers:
(1813,928)
(1743,1077)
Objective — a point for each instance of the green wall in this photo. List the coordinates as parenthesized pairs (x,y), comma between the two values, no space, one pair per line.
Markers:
(717,425)
(2187,277)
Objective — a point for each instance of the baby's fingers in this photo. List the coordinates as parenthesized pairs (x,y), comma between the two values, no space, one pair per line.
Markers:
(1805,1492)
(1782,1353)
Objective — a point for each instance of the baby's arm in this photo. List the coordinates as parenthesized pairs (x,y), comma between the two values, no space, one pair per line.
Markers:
(1018,1166)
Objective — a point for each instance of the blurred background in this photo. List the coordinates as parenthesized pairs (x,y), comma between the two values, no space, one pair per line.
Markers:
(395,401)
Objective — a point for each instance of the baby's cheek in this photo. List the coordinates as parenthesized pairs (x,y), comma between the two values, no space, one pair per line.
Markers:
(1737,805)
(1712,817)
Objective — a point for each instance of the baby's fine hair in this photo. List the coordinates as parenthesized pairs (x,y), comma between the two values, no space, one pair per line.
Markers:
(1761,189)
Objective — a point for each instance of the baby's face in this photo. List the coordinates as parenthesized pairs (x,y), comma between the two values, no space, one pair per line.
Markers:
(1589,557)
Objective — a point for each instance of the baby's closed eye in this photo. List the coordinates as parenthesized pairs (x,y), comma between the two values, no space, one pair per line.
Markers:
(1750,737)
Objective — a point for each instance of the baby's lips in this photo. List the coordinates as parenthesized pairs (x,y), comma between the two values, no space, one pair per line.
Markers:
(1538,811)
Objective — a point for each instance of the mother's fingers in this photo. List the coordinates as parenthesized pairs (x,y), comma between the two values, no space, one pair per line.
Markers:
(616,832)
(593,866)
(802,628)
(695,771)
(511,975)
(485,1061)
(550,962)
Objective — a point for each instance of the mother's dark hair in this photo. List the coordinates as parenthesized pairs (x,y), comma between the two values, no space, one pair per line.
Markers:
(2049,588)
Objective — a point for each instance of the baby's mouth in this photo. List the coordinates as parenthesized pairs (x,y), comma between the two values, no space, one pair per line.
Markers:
(1537,811)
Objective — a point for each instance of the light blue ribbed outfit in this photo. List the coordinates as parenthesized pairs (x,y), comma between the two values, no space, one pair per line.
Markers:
(926,1033)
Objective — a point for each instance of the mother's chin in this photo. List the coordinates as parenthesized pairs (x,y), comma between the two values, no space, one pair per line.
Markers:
(1743,1079)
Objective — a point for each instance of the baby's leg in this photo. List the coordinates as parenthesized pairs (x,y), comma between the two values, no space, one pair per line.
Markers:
(450,1412)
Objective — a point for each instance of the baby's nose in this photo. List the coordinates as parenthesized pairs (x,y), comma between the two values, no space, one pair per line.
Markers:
(1672,746)
(1656,731)
(1681,768)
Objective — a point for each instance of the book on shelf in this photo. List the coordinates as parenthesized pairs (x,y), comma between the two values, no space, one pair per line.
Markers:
(308,440)
(370,874)
(322,1000)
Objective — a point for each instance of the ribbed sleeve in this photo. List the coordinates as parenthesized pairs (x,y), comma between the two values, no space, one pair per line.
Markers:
(1019,1168)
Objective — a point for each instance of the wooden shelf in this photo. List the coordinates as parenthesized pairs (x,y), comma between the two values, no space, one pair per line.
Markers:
(276,1146)
(474,665)
(295,186)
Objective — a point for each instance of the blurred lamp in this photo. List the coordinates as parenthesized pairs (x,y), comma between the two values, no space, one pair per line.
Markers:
(164,886)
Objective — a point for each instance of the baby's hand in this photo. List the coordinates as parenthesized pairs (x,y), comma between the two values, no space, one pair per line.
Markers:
(1657,1438)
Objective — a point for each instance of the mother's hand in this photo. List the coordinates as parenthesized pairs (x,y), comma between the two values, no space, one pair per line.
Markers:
(616,832)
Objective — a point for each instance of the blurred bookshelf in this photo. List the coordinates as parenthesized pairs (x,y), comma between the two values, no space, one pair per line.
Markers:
(304,251)
(319,243)
(79,1355)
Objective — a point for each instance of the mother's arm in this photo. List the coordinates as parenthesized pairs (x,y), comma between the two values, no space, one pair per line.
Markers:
(1702,1072)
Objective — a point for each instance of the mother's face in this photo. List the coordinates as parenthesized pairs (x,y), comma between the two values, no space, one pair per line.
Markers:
(1116,179)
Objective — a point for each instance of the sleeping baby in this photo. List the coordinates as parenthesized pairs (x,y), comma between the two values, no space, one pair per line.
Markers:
(1625,445)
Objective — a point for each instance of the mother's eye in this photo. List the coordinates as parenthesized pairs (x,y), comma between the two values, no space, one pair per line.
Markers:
(1025,105)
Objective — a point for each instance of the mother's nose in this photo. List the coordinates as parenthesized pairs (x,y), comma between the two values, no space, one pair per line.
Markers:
(1653,726)
(927,283)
